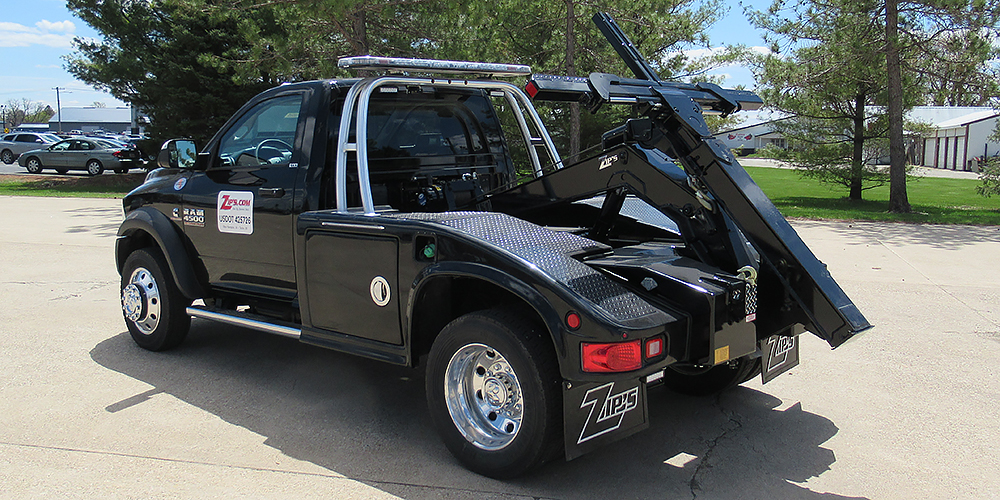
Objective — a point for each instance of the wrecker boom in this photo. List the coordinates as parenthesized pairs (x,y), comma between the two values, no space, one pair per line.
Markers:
(712,199)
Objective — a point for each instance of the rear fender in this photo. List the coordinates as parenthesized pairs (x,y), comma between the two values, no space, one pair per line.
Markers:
(146,222)
(513,287)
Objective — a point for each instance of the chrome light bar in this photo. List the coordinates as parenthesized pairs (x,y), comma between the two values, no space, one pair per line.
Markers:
(401,64)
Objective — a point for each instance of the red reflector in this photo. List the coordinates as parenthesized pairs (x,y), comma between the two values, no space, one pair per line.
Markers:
(654,347)
(573,321)
(532,89)
(617,357)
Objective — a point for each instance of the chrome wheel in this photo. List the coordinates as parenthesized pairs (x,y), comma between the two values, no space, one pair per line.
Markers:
(483,397)
(141,301)
(7,157)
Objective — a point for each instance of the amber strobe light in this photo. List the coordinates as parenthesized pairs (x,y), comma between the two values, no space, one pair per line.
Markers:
(617,357)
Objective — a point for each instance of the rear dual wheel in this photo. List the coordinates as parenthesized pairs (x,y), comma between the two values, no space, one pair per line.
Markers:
(493,390)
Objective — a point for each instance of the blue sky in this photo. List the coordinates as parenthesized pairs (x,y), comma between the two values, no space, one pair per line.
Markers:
(35,34)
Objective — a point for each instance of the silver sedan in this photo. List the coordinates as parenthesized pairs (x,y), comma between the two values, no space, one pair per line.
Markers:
(12,145)
(82,153)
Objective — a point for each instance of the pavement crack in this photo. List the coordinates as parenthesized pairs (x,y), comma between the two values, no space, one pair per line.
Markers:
(734,424)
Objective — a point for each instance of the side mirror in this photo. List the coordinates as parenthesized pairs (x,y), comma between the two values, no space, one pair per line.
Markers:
(177,153)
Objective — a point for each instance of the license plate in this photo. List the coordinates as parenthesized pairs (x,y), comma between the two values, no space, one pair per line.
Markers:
(780,355)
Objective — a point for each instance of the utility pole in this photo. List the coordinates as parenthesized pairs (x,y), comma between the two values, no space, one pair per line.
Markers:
(3,125)
(58,109)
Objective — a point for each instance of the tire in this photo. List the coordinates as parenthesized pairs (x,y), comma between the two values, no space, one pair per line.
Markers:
(62,171)
(7,156)
(94,167)
(706,381)
(501,414)
(153,307)
(33,165)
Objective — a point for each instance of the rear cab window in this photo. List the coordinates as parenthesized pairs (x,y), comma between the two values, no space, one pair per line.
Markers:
(418,135)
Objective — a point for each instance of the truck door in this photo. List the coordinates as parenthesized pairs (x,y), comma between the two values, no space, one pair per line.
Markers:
(238,212)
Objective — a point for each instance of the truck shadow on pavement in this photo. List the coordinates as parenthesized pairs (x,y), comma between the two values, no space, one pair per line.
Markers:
(368,421)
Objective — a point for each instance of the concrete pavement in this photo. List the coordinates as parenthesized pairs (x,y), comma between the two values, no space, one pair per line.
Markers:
(909,410)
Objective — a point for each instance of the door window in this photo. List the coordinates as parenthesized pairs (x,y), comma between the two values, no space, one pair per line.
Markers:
(62,146)
(263,136)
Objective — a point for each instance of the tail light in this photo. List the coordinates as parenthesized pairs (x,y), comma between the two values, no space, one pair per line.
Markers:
(612,358)
(120,154)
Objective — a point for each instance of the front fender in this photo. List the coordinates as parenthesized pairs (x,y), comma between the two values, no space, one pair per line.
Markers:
(151,222)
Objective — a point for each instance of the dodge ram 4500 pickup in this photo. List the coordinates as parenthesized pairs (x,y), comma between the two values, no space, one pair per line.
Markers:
(385,217)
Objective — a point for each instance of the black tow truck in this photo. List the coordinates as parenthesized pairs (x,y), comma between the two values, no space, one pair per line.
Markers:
(385,217)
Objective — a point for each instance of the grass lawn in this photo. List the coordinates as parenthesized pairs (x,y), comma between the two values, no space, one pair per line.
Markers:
(101,186)
(933,200)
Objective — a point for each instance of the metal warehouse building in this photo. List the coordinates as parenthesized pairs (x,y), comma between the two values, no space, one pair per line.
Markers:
(90,119)
(956,136)
(955,142)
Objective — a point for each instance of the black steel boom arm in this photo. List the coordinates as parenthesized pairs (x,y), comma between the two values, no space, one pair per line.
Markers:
(674,124)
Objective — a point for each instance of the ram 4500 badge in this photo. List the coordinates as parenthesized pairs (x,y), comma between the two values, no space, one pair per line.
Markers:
(385,217)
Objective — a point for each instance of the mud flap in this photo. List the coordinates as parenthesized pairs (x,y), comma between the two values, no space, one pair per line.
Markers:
(780,354)
(596,414)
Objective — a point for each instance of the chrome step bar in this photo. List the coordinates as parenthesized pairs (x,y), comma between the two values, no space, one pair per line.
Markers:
(246,320)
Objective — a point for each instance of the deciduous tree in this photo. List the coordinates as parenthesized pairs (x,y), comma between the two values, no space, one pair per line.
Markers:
(832,79)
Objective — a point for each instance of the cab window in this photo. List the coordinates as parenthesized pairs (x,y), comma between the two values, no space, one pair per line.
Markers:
(263,136)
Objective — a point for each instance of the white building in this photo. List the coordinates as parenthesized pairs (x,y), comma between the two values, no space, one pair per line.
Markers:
(957,136)
(91,119)
(756,134)
(954,142)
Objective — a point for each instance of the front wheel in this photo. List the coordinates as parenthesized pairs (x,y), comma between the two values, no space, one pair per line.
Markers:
(7,156)
(94,167)
(154,309)
(33,165)
(708,380)
(493,390)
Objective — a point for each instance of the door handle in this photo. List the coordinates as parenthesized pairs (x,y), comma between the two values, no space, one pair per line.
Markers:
(271,192)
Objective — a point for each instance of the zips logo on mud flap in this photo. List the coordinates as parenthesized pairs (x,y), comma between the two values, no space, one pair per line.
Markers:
(613,408)
(779,347)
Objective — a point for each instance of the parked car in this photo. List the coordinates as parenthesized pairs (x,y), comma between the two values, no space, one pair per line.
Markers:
(80,153)
(13,145)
